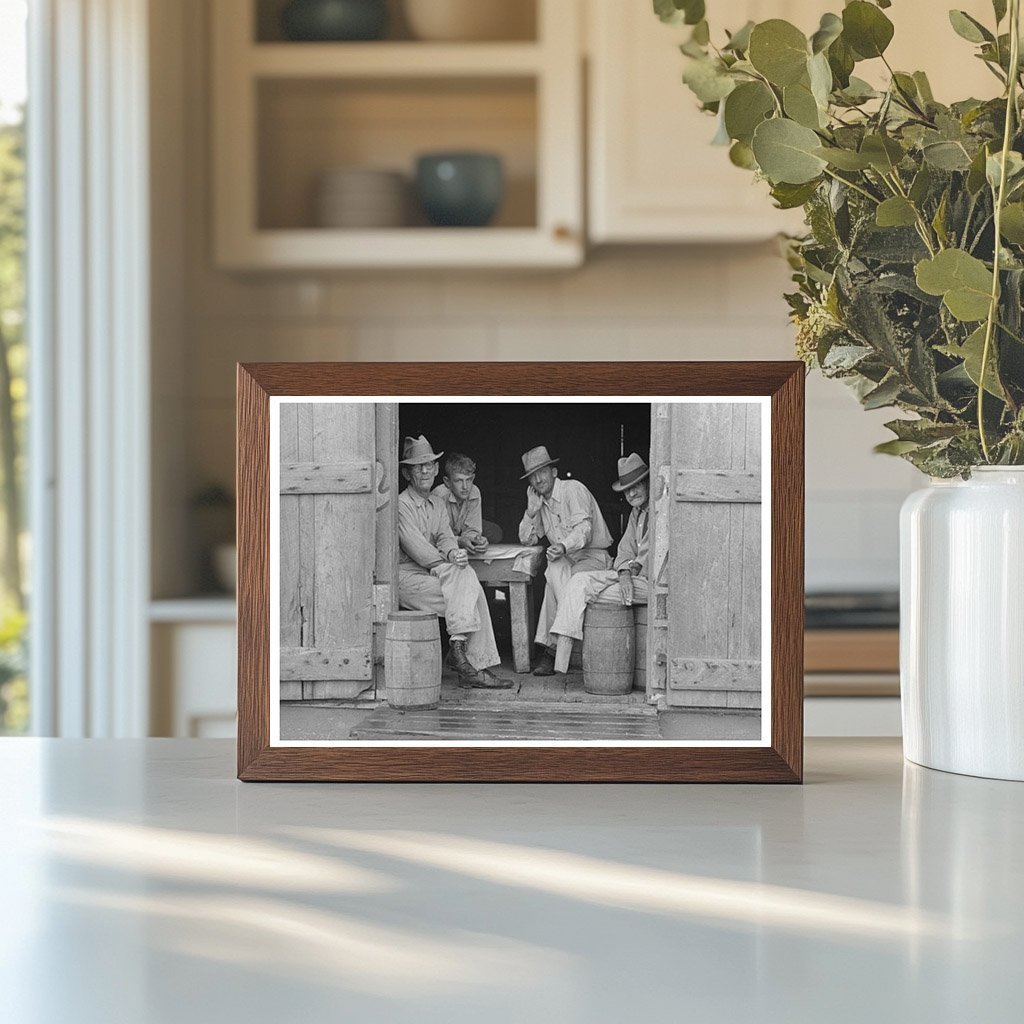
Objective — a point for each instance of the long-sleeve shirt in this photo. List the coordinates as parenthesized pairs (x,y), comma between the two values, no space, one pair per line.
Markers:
(466,517)
(424,532)
(569,515)
(635,545)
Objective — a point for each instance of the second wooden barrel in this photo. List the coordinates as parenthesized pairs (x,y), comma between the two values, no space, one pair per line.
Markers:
(640,675)
(412,660)
(609,649)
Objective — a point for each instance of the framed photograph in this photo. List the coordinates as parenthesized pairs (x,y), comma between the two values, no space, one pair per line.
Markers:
(520,572)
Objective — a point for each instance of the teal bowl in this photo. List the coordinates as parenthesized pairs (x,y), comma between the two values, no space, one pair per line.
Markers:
(462,190)
(334,21)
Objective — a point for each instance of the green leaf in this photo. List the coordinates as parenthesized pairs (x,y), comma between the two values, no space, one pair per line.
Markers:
(830,28)
(820,76)
(708,81)
(976,174)
(946,156)
(841,60)
(785,152)
(921,185)
(844,159)
(999,7)
(778,50)
(994,167)
(963,281)
(739,41)
(895,447)
(742,155)
(968,28)
(800,105)
(885,394)
(701,33)
(896,212)
(858,91)
(924,88)
(866,29)
(1011,226)
(971,352)
(789,197)
(745,108)
(883,153)
(676,12)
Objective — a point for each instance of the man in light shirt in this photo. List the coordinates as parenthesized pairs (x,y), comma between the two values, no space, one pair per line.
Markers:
(627,582)
(434,573)
(462,499)
(567,514)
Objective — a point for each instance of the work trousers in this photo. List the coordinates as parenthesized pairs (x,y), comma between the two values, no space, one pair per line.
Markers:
(585,588)
(557,576)
(453,592)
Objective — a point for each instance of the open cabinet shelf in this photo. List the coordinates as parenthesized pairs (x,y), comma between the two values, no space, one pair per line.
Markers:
(286,114)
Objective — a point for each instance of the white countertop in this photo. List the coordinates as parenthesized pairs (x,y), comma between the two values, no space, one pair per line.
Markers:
(143,884)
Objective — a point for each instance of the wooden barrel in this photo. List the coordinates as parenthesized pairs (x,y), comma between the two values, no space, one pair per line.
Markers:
(412,660)
(640,675)
(609,648)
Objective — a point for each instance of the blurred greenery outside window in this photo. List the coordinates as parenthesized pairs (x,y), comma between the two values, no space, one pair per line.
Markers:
(14,540)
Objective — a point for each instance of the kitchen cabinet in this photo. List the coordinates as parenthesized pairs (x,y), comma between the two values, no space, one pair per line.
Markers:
(287,113)
(653,175)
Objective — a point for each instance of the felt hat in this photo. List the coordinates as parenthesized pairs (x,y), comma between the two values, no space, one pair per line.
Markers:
(632,469)
(536,458)
(416,451)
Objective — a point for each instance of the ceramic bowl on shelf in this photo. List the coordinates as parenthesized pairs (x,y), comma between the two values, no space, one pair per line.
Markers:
(334,20)
(361,198)
(470,20)
(460,189)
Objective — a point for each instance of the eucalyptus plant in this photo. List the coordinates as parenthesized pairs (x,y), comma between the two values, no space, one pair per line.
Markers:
(910,278)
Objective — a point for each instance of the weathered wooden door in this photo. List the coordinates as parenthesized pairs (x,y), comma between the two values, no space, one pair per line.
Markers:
(704,649)
(338,544)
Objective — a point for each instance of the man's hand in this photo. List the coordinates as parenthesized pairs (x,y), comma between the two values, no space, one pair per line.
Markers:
(458,557)
(634,568)
(477,544)
(626,584)
(533,501)
(555,551)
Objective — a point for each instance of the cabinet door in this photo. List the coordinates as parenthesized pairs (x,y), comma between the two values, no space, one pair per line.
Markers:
(334,490)
(705,643)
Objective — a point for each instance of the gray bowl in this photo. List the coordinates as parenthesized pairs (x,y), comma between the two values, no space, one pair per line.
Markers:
(460,189)
(334,20)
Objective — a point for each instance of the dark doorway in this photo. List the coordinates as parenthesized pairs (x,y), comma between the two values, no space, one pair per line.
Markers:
(587,438)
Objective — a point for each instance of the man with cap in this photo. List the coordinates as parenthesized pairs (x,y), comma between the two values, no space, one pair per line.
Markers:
(567,514)
(627,582)
(434,573)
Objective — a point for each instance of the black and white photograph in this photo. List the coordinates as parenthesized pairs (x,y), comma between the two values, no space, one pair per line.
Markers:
(555,571)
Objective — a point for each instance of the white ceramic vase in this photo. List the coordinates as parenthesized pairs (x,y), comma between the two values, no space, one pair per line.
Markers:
(962,624)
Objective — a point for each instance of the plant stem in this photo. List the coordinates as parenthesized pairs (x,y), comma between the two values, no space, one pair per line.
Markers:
(855,187)
(993,309)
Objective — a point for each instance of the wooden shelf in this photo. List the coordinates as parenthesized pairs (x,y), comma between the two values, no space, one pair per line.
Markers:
(401,247)
(392,60)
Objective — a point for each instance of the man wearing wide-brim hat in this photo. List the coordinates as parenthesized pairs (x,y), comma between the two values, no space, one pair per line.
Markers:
(567,514)
(434,574)
(627,582)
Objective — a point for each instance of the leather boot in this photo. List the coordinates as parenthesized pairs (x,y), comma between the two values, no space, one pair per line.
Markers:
(546,665)
(487,680)
(458,661)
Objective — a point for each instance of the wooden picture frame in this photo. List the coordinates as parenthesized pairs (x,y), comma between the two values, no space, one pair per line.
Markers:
(775,387)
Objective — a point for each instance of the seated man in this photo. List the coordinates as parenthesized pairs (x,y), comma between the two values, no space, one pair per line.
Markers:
(627,581)
(434,573)
(462,499)
(567,514)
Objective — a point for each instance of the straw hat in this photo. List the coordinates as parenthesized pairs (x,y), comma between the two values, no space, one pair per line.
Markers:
(536,458)
(632,469)
(417,451)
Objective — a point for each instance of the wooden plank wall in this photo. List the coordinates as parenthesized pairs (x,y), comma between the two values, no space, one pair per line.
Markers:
(714,636)
(328,550)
